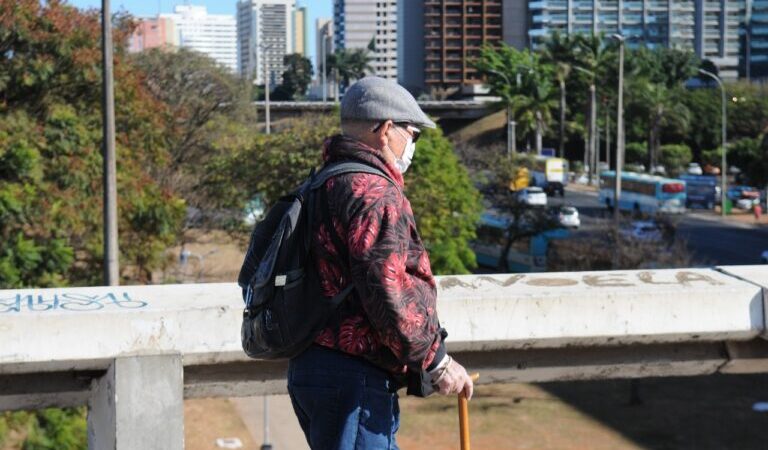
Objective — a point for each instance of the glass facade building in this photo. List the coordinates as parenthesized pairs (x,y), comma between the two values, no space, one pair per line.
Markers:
(708,27)
(755,42)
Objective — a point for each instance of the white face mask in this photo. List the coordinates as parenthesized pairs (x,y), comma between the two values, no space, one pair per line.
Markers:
(404,161)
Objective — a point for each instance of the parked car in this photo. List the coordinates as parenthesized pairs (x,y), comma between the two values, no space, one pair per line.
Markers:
(643,230)
(695,169)
(569,217)
(764,257)
(532,196)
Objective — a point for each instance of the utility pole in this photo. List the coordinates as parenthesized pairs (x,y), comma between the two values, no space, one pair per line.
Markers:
(723,118)
(111,261)
(619,135)
(607,139)
(513,126)
(264,50)
(324,57)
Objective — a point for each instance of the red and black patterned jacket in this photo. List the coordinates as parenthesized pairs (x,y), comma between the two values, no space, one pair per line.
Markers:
(390,317)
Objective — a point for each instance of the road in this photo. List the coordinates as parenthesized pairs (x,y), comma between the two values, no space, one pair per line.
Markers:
(712,240)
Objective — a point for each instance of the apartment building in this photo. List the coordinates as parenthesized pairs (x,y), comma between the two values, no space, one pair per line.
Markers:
(369,24)
(264,36)
(212,34)
(708,27)
(454,33)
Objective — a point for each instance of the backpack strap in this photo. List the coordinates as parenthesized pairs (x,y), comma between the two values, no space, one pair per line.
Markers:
(326,173)
(339,168)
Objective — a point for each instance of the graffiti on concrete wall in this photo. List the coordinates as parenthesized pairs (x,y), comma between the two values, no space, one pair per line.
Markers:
(609,279)
(71,301)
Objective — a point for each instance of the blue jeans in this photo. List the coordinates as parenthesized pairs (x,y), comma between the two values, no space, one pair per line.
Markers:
(343,402)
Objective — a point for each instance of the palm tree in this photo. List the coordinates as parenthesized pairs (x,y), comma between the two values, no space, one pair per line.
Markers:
(662,108)
(533,105)
(559,51)
(592,60)
(349,64)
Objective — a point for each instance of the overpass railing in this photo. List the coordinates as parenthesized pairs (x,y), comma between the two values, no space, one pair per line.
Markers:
(133,353)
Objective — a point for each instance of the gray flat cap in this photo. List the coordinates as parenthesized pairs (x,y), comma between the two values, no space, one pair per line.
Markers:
(374,98)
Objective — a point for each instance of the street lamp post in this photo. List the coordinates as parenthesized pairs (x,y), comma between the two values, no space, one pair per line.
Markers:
(619,134)
(324,62)
(267,123)
(111,252)
(723,169)
(513,125)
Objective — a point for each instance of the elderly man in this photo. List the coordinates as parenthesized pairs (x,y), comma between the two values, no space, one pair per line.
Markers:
(385,334)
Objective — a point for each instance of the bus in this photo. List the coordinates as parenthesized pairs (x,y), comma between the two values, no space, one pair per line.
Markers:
(641,193)
(550,174)
(701,190)
(525,255)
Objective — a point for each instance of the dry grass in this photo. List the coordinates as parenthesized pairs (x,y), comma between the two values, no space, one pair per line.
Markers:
(205,420)
(504,416)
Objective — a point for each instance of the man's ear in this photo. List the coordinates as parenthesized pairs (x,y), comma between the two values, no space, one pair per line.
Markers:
(383,133)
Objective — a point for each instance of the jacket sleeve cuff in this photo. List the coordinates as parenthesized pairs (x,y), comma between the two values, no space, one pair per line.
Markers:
(440,355)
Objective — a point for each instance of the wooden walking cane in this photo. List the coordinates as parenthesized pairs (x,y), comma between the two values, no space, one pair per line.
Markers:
(464,416)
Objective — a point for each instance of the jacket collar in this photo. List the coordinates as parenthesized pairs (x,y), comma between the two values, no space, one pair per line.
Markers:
(340,147)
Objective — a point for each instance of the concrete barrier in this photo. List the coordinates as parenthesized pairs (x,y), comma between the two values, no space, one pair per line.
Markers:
(71,346)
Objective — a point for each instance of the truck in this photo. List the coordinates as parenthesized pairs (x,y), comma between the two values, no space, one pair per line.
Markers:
(550,174)
(701,190)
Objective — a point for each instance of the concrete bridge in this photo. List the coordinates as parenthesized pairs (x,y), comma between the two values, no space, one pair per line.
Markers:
(133,353)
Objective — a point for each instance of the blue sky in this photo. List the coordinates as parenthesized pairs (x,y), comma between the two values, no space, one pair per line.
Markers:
(141,8)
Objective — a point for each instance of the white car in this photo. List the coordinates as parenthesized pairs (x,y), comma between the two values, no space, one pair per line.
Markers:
(569,217)
(532,196)
(764,257)
(647,231)
(695,169)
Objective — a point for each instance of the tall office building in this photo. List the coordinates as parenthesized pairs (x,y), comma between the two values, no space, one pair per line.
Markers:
(410,49)
(360,23)
(708,27)
(755,41)
(455,31)
(264,35)
(300,30)
(211,34)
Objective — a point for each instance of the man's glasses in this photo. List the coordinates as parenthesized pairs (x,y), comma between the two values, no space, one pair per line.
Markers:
(415,132)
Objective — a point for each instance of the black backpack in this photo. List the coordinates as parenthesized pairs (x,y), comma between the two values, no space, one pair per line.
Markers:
(284,307)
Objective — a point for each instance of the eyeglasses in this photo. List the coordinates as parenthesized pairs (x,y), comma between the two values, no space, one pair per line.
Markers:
(415,132)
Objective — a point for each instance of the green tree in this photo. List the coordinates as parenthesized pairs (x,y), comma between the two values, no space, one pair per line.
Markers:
(349,65)
(636,152)
(200,97)
(661,107)
(560,52)
(675,157)
(50,161)
(446,204)
(296,78)
(749,155)
(592,58)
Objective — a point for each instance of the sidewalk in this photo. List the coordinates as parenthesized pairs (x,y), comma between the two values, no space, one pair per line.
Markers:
(739,218)
(284,430)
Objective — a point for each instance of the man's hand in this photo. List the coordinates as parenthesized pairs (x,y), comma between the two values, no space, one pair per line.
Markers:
(453,379)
